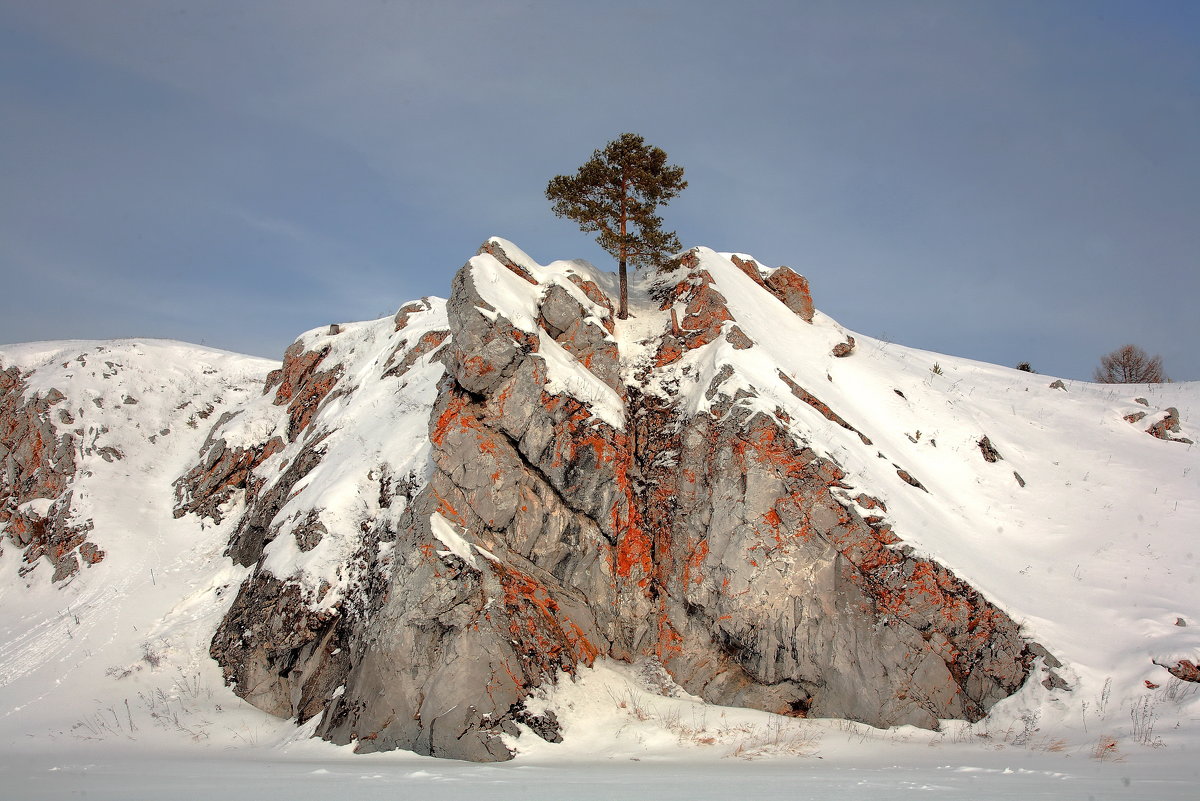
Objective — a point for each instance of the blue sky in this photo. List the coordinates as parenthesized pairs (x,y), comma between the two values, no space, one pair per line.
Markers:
(1004,181)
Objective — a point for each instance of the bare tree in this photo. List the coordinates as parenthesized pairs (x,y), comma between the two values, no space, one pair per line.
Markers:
(1129,364)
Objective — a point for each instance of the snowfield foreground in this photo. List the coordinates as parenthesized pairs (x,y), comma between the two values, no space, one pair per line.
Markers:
(178,518)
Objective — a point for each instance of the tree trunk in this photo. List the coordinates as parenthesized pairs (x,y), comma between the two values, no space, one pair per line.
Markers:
(623,307)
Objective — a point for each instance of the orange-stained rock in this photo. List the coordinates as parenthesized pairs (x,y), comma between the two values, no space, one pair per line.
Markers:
(565,515)
(38,462)
(1185,670)
(750,267)
(429,342)
(405,312)
(815,402)
(492,247)
(792,289)
(1168,426)
(843,349)
(301,386)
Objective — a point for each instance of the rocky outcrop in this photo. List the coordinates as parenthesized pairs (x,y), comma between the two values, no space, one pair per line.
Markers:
(792,289)
(1183,669)
(301,386)
(37,467)
(1167,427)
(990,454)
(843,349)
(576,502)
(773,585)
(208,487)
(788,286)
(514,542)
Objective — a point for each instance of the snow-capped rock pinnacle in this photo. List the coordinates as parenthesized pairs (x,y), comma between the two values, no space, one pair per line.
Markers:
(441,513)
(590,487)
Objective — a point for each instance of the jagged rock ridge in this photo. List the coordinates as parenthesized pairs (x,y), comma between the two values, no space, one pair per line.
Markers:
(565,486)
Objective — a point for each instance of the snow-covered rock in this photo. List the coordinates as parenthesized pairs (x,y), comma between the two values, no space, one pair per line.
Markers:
(433,518)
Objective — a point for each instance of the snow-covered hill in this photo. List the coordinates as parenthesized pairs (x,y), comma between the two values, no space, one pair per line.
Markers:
(311,521)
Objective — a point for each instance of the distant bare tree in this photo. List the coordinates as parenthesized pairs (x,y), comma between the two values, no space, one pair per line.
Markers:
(1129,364)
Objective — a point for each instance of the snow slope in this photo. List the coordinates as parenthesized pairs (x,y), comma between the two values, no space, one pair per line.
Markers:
(1095,556)
(134,628)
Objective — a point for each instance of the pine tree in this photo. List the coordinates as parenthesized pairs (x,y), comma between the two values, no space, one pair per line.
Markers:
(615,193)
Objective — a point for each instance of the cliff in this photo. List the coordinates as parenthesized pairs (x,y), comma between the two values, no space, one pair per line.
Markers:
(439,513)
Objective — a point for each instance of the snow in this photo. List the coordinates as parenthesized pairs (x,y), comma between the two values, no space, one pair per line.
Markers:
(455,543)
(106,686)
(378,432)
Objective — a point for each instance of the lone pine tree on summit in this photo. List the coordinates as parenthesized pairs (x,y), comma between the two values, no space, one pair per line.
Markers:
(615,193)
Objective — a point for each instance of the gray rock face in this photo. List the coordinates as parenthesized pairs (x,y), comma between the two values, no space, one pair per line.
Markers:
(822,617)
(563,514)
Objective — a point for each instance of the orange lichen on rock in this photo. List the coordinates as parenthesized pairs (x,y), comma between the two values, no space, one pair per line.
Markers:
(596,295)
(670,350)
(207,486)
(692,573)
(429,342)
(297,363)
(306,402)
(868,502)
(529,342)
(750,268)
(792,290)
(768,444)
(705,313)
(407,310)
(582,646)
(300,386)
(38,463)
(494,249)
(543,643)
(669,641)
(635,548)
(579,430)
(447,509)
(452,416)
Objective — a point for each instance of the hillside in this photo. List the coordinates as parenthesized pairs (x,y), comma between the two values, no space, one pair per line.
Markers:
(459,528)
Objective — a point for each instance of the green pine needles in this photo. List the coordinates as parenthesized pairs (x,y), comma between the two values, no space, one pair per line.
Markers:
(615,193)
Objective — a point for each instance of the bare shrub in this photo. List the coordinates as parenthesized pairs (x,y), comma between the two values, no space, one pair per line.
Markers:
(1106,750)
(1129,364)
(1143,714)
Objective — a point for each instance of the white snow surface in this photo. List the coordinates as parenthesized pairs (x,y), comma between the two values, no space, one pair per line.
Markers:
(106,686)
